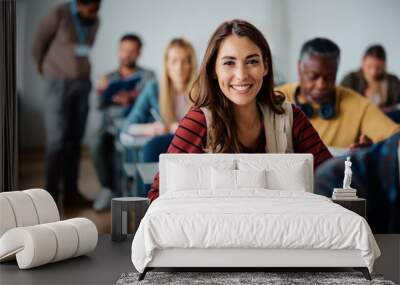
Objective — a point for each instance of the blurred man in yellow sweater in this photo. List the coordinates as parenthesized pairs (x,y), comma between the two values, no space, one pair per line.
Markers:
(342,118)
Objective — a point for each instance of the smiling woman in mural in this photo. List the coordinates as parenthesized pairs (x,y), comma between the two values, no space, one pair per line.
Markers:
(235,108)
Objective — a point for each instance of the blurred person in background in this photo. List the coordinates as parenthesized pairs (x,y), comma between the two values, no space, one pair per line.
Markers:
(156,114)
(118,92)
(376,175)
(61,52)
(342,117)
(373,81)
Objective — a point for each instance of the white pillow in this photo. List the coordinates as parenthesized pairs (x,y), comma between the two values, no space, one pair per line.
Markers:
(280,174)
(188,176)
(292,179)
(251,178)
(223,179)
(236,179)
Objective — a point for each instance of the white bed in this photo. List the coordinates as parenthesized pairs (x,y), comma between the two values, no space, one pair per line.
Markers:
(247,210)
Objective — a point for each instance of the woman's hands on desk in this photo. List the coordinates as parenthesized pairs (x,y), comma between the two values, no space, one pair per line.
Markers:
(149,129)
(173,127)
(159,128)
(152,129)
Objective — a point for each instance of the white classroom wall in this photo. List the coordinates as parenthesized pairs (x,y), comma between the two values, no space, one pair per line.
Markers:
(352,24)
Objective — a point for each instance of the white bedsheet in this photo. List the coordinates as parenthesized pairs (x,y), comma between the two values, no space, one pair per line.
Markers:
(252,218)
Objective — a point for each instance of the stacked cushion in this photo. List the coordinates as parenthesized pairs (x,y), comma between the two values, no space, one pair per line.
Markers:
(26,208)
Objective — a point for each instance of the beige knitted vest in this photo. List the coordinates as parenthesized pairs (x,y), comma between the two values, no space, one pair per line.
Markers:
(278,128)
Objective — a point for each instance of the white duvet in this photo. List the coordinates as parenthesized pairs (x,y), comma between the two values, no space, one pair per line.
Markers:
(253,218)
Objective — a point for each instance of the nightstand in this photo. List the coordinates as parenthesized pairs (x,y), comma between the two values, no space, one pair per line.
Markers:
(358,205)
(126,214)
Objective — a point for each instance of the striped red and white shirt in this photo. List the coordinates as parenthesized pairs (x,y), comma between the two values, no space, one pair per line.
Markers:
(191,137)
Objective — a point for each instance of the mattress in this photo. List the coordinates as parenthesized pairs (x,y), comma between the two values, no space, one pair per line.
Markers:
(251,219)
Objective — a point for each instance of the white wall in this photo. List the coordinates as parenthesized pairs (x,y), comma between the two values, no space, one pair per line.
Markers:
(353,24)
(157,22)
(30,85)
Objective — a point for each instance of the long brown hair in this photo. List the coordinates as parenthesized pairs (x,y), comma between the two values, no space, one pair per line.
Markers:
(222,136)
(167,96)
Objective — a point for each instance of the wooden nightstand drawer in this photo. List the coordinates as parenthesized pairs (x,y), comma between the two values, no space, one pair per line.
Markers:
(358,205)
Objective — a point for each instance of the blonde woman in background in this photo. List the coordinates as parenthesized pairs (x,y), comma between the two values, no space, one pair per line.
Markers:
(180,68)
(153,117)
(157,113)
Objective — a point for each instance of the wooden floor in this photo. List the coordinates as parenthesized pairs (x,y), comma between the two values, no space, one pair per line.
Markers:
(31,175)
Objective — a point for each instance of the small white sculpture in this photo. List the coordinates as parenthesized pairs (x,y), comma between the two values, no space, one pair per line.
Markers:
(347,174)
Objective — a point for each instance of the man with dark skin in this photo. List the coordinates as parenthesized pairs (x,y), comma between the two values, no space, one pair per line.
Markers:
(317,84)
(342,118)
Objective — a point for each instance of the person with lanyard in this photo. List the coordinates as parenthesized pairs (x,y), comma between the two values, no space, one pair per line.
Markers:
(61,52)
(235,109)
(344,119)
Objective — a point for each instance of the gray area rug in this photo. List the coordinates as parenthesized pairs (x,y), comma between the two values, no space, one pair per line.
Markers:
(226,278)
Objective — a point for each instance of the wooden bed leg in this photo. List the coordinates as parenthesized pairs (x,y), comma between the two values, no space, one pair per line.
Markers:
(143,274)
(364,271)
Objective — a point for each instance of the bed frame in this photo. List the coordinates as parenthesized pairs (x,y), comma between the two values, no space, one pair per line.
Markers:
(240,259)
